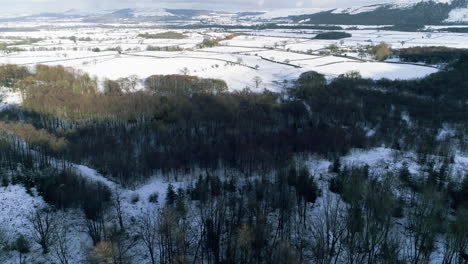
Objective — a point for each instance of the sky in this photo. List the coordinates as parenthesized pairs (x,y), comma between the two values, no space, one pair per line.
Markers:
(35,6)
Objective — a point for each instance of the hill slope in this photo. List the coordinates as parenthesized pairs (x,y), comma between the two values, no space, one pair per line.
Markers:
(414,13)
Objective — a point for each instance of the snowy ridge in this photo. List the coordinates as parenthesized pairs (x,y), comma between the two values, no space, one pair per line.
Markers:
(400,4)
(151,12)
(410,3)
(79,12)
(290,12)
(356,10)
(7,15)
(458,14)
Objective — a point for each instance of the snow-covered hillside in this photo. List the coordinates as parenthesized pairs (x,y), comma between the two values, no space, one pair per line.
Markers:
(458,15)
(149,12)
(270,14)
(407,3)
(356,10)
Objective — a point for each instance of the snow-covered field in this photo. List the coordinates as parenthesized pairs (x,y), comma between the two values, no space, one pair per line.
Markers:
(302,39)
(237,61)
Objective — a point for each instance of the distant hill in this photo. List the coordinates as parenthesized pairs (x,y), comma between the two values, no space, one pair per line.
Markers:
(404,12)
(413,13)
(124,14)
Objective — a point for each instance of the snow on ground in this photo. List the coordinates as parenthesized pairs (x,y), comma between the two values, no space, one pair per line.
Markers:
(255,41)
(302,40)
(318,166)
(293,35)
(396,38)
(446,132)
(237,61)
(9,98)
(407,39)
(377,70)
(214,63)
(230,49)
(382,160)
(93,176)
(408,3)
(234,61)
(29,58)
(161,12)
(461,165)
(283,55)
(356,10)
(16,206)
(289,12)
(458,15)
(133,207)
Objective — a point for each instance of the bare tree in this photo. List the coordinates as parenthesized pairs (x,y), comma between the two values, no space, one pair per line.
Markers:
(95,210)
(43,223)
(148,231)
(284,43)
(61,246)
(128,84)
(455,243)
(22,246)
(124,84)
(334,49)
(95,228)
(257,81)
(425,219)
(328,230)
(362,53)
(117,203)
(3,239)
(133,81)
(122,243)
(185,71)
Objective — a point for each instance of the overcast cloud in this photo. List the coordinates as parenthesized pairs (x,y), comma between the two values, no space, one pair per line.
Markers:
(61,5)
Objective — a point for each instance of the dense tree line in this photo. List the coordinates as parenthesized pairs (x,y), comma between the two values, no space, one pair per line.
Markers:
(172,85)
(333,35)
(455,29)
(163,35)
(430,55)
